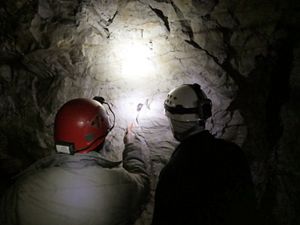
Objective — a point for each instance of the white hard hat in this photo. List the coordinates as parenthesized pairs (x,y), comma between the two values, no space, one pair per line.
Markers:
(187,103)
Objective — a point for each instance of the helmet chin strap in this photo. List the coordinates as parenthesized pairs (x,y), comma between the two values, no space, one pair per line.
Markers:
(198,127)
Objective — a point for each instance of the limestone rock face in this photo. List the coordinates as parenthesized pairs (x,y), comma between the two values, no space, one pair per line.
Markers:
(242,53)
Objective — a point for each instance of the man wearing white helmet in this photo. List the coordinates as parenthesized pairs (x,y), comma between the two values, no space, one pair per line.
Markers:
(207,180)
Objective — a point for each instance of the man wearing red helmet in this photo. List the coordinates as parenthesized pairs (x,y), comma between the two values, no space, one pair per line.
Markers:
(77,185)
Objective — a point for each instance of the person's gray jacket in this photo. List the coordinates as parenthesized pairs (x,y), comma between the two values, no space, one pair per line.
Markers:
(78,189)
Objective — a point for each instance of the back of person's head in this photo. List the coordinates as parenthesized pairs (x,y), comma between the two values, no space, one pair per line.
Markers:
(187,107)
(81,125)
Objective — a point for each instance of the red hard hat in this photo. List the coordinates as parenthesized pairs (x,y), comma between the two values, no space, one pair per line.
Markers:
(80,123)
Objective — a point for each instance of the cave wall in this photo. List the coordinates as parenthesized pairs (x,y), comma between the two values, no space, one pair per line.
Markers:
(244,54)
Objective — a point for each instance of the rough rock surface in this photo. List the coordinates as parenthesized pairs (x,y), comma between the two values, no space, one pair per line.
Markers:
(245,55)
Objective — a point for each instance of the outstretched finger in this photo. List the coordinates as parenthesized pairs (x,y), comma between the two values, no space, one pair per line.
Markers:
(130,127)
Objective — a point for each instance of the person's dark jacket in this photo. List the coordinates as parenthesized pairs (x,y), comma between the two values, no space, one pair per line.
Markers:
(207,182)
